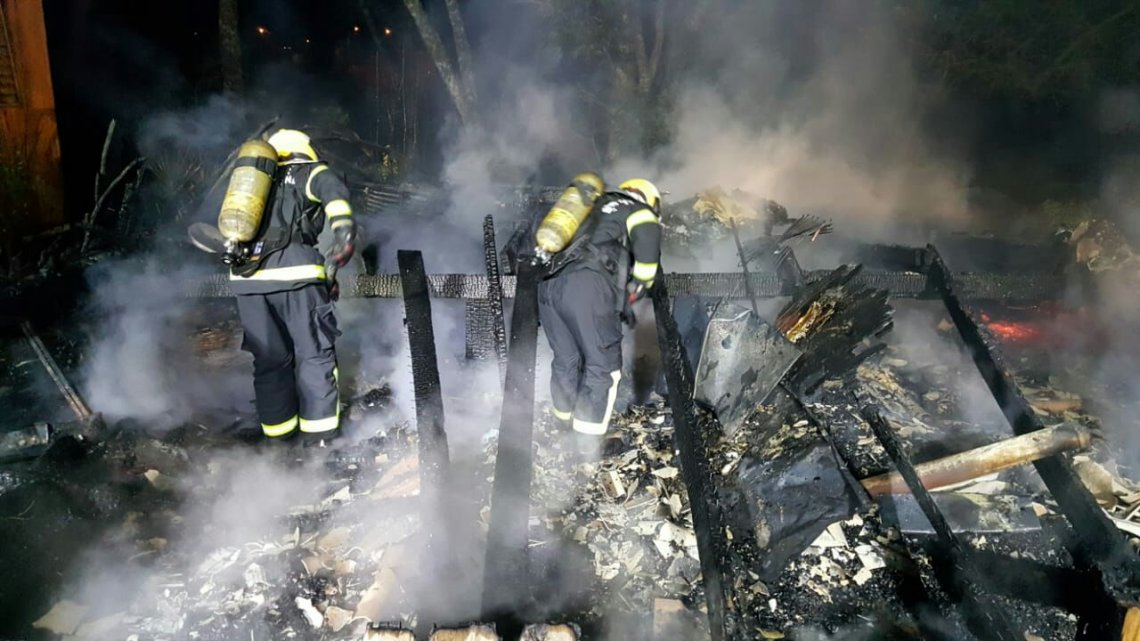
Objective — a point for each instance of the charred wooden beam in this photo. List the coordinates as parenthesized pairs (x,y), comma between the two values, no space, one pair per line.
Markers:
(690,440)
(425,367)
(506,571)
(429,412)
(495,294)
(900,284)
(984,460)
(956,573)
(1029,580)
(70,395)
(1099,544)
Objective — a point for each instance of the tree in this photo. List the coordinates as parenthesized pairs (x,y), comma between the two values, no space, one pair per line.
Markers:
(1028,50)
(458,77)
(229,43)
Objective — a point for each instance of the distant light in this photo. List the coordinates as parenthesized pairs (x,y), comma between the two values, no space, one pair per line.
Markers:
(263,31)
(307,41)
(387,31)
(356,28)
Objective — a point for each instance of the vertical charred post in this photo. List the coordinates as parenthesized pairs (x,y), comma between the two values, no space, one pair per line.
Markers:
(429,416)
(707,519)
(1098,544)
(495,294)
(953,567)
(506,571)
(425,369)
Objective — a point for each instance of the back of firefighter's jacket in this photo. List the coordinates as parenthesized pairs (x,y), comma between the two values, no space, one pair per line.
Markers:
(287,240)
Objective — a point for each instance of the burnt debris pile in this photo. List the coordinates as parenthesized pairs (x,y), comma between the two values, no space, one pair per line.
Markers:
(882,449)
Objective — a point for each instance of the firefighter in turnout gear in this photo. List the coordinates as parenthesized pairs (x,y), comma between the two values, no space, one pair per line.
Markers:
(590,285)
(285,298)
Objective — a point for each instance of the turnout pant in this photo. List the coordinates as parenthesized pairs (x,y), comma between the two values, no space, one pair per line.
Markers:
(578,311)
(291,335)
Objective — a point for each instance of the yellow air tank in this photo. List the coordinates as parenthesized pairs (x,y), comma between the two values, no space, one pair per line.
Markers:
(558,227)
(244,202)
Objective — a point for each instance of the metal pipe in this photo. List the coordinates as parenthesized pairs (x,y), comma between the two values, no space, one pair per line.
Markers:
(984,460)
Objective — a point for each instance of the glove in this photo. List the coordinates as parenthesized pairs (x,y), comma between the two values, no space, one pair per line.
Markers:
(344,241)
(627,316)
(344,244)
(636,290)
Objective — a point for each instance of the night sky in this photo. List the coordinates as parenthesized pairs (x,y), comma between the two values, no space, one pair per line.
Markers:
(126,59)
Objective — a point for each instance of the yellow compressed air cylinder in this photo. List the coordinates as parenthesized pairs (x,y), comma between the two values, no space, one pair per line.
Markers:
(245,198)
(560,224)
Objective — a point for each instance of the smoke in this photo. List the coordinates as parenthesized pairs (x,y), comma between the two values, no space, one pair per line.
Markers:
(142,362)
(817,108)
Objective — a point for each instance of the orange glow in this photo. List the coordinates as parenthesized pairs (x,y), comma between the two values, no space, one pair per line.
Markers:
(263,31)
(387,31)
(1014,332)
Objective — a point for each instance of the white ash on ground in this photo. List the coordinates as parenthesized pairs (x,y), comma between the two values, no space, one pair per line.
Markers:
(323,568)
(629,510)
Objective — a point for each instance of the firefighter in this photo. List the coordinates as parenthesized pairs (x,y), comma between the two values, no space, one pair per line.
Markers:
(587,290)
(286,305)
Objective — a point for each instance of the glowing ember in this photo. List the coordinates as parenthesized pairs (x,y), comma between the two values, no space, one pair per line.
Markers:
(1015,332)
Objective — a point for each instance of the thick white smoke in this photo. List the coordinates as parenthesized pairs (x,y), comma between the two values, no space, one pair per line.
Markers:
(822,112)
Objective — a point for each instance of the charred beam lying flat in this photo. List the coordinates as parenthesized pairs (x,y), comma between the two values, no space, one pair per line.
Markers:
(956,573)
(900,284)
(707,519)
(1099,543)
(495,294)
(429,414)
(506,571)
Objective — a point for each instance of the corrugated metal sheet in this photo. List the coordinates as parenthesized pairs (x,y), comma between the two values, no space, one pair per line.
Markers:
(9,88)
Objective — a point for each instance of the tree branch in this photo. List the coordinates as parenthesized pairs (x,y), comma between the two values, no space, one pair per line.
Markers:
(463,101)
(658,40)
(462,47)
(229,42)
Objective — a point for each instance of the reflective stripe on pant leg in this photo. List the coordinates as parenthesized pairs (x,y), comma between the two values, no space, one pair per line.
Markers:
(566,364)
(325,424)
(312,324)
(280,429)
(599,428)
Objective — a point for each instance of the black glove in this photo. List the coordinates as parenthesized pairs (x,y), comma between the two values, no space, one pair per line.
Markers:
(636,290)
(344,244)
(627,316)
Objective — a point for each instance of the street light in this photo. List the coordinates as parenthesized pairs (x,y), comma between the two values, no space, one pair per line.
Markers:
(262,31)
(387,31)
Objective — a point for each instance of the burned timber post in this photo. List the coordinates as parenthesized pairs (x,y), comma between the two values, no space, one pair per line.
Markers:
(506,574)
(434,459)
(687,433)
